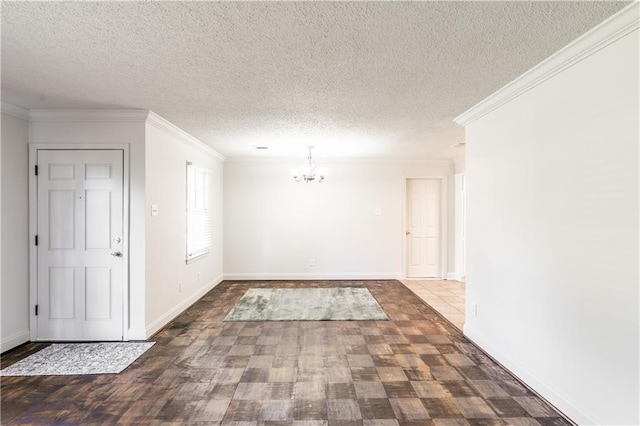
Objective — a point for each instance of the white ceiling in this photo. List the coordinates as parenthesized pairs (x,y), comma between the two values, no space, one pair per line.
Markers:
(355,79)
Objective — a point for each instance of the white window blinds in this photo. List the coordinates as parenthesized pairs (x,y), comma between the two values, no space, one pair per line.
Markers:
(198,212)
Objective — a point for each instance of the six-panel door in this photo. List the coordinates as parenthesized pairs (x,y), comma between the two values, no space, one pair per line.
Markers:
(423,228)
(80,263)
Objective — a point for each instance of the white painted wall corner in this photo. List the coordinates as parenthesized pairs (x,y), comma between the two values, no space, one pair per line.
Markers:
(14,340)
(170,315)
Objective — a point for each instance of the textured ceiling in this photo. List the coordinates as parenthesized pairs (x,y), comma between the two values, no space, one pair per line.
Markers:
(355,79)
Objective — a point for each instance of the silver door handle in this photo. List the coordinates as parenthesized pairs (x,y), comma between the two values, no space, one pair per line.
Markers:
(116,254)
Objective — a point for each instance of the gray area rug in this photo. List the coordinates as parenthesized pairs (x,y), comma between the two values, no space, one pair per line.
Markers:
(306,304)
(79,358)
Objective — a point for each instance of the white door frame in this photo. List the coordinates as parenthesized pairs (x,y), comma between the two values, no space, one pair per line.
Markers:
(33,227)
(444,209)
(459,237)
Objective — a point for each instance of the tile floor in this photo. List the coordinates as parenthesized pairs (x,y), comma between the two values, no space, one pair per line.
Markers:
(414,369)
(446,297)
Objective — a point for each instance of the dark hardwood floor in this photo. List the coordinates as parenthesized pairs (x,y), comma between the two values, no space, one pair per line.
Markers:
(416,369)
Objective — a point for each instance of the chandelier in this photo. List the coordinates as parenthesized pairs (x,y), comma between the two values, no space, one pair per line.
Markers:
(309,172)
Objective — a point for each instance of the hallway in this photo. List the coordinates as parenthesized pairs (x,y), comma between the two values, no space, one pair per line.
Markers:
(445,296)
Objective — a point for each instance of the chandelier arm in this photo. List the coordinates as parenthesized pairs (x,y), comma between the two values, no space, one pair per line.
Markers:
(310,174)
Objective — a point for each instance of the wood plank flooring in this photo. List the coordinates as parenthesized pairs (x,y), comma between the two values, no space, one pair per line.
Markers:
(416,369)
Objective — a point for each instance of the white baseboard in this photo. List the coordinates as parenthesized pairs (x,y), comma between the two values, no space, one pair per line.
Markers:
(311,276)
(578,414)
(170,315)
(136,334)
(14,340)
(455,276)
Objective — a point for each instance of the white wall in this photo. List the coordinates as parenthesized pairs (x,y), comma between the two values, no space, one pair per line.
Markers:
(456,224)
(14,291)
(273,226)
(167,152)
(459,227)
(158,152)
(109,128)
(552,259)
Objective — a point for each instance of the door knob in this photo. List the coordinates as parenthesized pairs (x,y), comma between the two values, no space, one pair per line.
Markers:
(407,233)
(116,254)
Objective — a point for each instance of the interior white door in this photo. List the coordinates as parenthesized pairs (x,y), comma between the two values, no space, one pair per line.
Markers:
(423,228)
(80,245)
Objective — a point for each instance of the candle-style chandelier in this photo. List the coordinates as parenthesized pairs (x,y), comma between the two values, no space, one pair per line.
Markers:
(309,172)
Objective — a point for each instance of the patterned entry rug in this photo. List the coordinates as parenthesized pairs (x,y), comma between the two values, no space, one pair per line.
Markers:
(63,359)
(307,304)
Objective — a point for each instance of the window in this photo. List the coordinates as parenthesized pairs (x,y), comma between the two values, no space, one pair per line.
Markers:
(198,212)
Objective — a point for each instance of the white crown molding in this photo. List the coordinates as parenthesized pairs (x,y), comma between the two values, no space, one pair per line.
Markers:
(15,111)
(120,115)
(88,115)
(173,130)
(619,25)
(321,161)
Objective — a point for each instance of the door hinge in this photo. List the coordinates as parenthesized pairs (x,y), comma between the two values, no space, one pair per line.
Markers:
(36,310)
(36,240)
(36,170)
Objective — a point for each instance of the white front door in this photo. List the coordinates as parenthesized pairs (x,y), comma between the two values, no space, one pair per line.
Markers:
(80,245)
(423,228)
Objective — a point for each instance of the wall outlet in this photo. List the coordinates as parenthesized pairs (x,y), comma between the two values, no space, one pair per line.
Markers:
(180,287)
(474,309)
(312,262)
(154,210)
